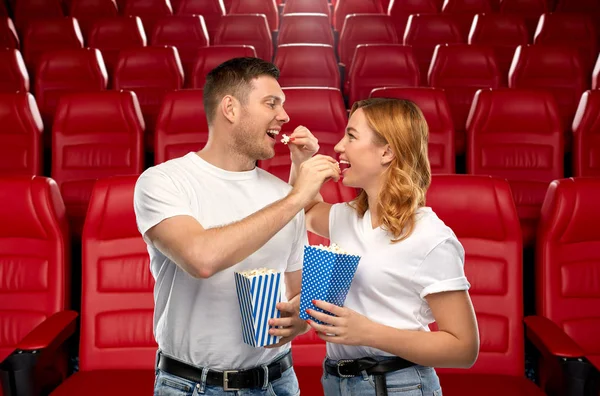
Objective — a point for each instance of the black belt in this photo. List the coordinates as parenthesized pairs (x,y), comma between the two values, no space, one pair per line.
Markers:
(229,379)
(378,369)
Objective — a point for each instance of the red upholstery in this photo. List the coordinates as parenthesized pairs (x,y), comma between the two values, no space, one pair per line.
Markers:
(13,73)
(35,248)
(208,58)
(65,71)
(181,125)
(482,214)
(424,32)
(211,10)
(579,6)
(566,258)
(435,108)
(150,72)
(596,75)
(447,71)
(3,9)
(308,352)
(555,68)
(115,34)
(149,11)
(307,65)
(305,28)
(365,29)
(186,33)
(117,348)
(463,12)
(400,10)
(586,136)
(251,29)
(530,10)
(26,11)
(504,33)
(381,65)
(348,7)
(516,134)
(265,7)
(306,6)
(42,35)
(8,33)
(88,12)
(21,148)
(95,135)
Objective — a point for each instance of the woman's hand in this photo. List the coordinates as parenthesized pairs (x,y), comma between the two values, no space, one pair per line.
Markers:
(347,326)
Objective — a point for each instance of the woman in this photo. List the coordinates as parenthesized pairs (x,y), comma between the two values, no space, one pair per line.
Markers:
(412,268)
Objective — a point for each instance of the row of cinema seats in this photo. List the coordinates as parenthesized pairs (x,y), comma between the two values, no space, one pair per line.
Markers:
(513,134)
(117,349)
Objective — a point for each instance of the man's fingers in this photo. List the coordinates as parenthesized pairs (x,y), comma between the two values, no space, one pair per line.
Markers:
(282,322)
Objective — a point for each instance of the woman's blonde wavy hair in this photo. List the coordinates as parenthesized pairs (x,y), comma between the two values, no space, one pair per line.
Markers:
(401,124)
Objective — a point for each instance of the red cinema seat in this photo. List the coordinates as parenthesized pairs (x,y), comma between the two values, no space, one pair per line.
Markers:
(306,6)
(596,75)
(251,29)
(13,73)
(447,71)
(307,65)
(481,212)
(181,126)
(26,11)
(424,32)
(305,28)
(21,135)
(516,134)
(112,35)
(8,33)
(211,11)
(95,135)
(567,294)
(67,71)
(463,12)
(579,6)
(149,11)
(586,135)
(344,8)
(88,12)
(400,10)
(186,33)
(529,10)
(436,110)
(381,65)
(150,72)
(308,352)
(504,33)
(117,349)
(35,288)
(266,7)
(208,58)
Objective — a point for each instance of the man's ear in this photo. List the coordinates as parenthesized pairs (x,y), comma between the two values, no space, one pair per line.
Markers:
(229,108)
(387,156)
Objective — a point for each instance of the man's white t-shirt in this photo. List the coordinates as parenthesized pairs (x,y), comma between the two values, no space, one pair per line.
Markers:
(392,279)
(198,321)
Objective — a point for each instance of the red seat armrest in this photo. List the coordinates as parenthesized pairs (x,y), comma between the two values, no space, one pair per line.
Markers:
(550,339)
(50,333)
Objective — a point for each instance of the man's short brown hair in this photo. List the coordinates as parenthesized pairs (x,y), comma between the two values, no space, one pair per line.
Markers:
(234,77)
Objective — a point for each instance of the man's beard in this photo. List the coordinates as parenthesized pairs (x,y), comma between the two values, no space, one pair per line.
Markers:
(250,143)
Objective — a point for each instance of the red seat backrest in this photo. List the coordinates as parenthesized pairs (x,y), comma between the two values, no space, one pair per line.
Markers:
(435,109)
(400,10)
(117,290)
(586,135)
(87,12)
(516,134)
(481,212)
(596,75)
(579,6)
(26,11)
(8,33)
(208,58)
(529,10)
(45,34)
(35,247)
(463,12)
(21,135)
(95,135)
(307,6)
(149,11)
(13,72)
(307,65)
(344,8)
(250,29)
(305,28)
(567,291)
(266,7)
(181,125)
(365,29)
(211,11)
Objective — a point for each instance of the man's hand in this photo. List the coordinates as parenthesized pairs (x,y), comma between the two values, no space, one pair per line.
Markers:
(303,145)
(289,325)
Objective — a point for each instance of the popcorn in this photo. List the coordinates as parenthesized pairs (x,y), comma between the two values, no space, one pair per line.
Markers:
(327,275)
(285,139)
(259,291)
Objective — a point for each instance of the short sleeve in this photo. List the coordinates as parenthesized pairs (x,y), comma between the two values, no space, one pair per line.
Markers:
(296,258)
(442,269)
(156,198)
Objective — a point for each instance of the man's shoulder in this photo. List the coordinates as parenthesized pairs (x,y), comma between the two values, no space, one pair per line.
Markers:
(269,179)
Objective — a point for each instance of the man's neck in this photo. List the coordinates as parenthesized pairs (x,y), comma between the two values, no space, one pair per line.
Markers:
(223,157)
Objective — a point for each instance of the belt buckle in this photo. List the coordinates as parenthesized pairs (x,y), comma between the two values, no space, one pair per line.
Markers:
(339,364)
(226,386)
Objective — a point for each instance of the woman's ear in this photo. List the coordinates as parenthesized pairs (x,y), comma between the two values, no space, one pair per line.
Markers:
(387,156)
(229,108)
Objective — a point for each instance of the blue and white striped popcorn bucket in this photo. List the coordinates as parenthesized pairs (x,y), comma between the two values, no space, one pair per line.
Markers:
(258,293)
(327,275)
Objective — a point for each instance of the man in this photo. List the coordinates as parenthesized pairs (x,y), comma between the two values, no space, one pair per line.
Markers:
(210,213)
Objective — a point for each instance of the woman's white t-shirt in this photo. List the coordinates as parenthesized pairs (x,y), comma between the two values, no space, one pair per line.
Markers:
(392,279)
